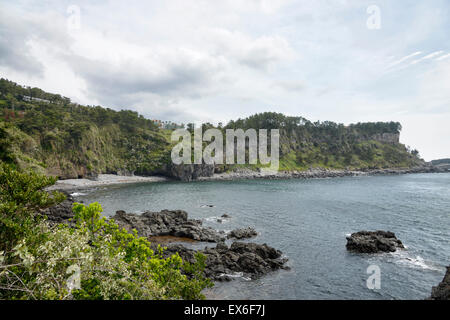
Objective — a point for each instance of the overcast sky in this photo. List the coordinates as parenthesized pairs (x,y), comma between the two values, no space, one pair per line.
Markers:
(190,61)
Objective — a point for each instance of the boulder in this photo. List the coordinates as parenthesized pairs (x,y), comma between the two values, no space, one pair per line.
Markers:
(167,223)
(189,172)
(442,290)
(222,262)
(373,242)
(243,233)
(61,212)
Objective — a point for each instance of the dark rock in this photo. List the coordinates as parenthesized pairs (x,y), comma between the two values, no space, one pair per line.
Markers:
(373,242)
(189,172)
(60,213)
(442,291)
(221,246)
(167,222)
(222,262)
(251,259)
(242,233)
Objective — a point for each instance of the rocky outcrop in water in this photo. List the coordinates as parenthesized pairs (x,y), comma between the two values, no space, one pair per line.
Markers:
(373,242)
(167,223)
(223,262)
(442,291)
(243,233)
(243,259)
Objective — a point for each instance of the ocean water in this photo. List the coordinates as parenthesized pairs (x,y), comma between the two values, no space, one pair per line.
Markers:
(308,220)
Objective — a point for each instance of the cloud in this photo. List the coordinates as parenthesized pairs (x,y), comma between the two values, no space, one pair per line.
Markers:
(259,53)
(219,60)
(429,56)
(20,30)
(295,86)
(164,73)
(397,62)
(443,57)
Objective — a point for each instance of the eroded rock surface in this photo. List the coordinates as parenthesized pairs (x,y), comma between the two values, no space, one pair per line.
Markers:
(373,242)
(223,263)
(442,290)
(167,223)
(242,233)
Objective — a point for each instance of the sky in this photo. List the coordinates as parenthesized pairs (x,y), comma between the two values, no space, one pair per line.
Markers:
(212,61)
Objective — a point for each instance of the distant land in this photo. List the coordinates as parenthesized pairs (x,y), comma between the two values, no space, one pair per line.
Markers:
(52,135)
(443,164)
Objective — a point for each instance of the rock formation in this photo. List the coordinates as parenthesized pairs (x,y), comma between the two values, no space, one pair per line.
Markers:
(442,290)
(373,242)
(242,233)
(167,223)
(223,262)
(189,172)
(60,213)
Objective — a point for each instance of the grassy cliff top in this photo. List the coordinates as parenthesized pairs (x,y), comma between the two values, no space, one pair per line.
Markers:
(51,134)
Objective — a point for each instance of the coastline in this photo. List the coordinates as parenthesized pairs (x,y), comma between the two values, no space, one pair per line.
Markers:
(217,267)
(72,185)
(102,180)
(247,174)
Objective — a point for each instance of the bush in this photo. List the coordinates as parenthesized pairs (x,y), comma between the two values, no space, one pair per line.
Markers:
(94,259)
(22,196)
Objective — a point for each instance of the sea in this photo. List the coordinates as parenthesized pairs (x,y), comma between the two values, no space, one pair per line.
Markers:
(309,220)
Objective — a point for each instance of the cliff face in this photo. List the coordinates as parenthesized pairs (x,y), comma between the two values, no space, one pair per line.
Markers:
(57,137)
(442,290)
(384,137)
(189,172)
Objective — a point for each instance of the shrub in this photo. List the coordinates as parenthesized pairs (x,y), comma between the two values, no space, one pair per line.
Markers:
(97,260)
(22,196)
(94,259)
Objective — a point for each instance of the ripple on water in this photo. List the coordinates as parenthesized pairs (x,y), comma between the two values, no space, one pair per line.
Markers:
(308,220)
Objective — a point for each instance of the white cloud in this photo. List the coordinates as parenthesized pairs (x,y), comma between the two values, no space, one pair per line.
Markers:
(401,60)
(429,56)
(443,57)
(219,60)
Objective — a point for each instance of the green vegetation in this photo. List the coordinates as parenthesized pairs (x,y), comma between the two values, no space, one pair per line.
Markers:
(54,136)
(305,144)
(95,259)
(64,139)
(45,134)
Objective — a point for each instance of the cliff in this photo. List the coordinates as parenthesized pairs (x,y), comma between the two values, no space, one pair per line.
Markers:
(52,135)
(442,290)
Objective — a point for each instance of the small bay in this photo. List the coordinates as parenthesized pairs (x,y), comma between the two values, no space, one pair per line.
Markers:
(308,220)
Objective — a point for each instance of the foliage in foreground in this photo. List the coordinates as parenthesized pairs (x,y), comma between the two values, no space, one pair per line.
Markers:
(95,259)
(21,197)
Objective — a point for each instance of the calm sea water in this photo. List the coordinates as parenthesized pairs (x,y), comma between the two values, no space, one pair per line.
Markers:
(308,221)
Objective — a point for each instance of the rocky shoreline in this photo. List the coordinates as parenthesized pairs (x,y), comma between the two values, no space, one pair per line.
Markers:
(173,230)
(223,262)
(204,172)
(247,174)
